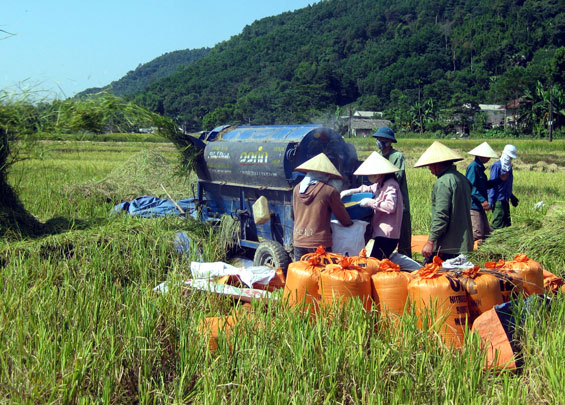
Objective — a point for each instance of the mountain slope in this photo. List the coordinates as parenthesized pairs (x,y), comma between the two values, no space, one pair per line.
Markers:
(145,74)
(377,54)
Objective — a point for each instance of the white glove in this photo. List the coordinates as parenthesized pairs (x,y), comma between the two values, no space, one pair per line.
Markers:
(365,202)
(346,193)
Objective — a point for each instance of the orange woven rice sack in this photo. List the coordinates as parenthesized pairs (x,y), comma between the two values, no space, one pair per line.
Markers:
(483,291)
(530,271)
(552,283)
(495,341)
(212,327)
(418,242)
(370,264)
(390,288)
(325,257)
(278,281)
(511,285)
(301,286)
(443,295)
(345,281)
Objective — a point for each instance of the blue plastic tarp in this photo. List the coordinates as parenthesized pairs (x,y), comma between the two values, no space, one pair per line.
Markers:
(147,207)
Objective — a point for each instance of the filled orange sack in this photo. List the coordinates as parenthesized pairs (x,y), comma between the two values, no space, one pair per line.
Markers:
(324,256)
(530,271)
(418,242)
(511,284)
(345,281)
(278,281)
(210,328)
(301,287)
(483,291)
(494,340)
(390,288)
(552,283)
(443,295)
(370,264)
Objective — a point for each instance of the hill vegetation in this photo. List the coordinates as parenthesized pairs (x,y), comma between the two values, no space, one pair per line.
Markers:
(408,58)
(145,74)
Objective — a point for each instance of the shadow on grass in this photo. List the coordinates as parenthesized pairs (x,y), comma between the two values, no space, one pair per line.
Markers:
(17,223)
(61,224)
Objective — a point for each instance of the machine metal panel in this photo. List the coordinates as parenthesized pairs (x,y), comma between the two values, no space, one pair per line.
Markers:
(259,164)
(270,133)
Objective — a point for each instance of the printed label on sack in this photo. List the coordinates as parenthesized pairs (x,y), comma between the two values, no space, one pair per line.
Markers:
(454,283)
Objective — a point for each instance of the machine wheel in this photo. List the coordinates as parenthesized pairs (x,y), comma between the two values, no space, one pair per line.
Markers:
(271,253)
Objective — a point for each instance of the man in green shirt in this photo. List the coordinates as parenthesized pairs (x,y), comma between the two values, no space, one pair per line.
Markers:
(451,231)
(385,139)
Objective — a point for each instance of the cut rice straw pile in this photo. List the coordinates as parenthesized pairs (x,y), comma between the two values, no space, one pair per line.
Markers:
(539,238)
(142,174)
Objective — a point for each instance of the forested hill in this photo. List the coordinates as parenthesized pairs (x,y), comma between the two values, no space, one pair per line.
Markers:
(145,74)
(375,54)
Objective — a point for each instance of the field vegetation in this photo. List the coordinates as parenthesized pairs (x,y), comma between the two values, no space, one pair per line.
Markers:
(80,322)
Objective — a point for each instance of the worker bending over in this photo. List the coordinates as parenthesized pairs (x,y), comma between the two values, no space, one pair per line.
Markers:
(313,202)
(386,203)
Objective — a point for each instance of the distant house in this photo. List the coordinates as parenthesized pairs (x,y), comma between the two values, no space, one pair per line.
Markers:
(364,123)
(503,115)
(495,114)
(513,109)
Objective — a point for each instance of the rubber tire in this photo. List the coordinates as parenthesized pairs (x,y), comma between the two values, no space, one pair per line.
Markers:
(272,254)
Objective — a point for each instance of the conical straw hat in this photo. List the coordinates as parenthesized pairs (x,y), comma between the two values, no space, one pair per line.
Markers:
(321,164)
(484,150)
(375,164)
(437,153)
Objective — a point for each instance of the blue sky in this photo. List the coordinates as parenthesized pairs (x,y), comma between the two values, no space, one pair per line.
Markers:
(61,47)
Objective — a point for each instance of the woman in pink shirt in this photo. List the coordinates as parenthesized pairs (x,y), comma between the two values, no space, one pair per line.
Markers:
(386,203)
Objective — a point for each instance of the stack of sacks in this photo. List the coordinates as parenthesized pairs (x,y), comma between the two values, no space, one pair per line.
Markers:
(370,264)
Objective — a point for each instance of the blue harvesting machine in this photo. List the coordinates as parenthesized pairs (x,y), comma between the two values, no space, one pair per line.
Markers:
(239,164)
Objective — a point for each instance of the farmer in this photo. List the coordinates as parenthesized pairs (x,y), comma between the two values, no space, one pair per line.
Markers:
(479,194)
(386,204)
(385,139)
(451,232)
(313,202)
(499,196)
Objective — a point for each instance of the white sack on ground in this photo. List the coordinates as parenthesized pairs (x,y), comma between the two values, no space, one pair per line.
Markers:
(348,240)
(248,275)
(211,270)
(256,275)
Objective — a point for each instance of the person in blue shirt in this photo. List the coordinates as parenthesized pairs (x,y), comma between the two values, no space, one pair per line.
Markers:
(501,196)
(479,194)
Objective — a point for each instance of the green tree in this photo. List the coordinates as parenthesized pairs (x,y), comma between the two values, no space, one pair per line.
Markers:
(535,115)
(220,116)
(557,68)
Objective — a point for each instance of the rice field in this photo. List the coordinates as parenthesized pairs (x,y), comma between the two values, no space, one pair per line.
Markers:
(80,323)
